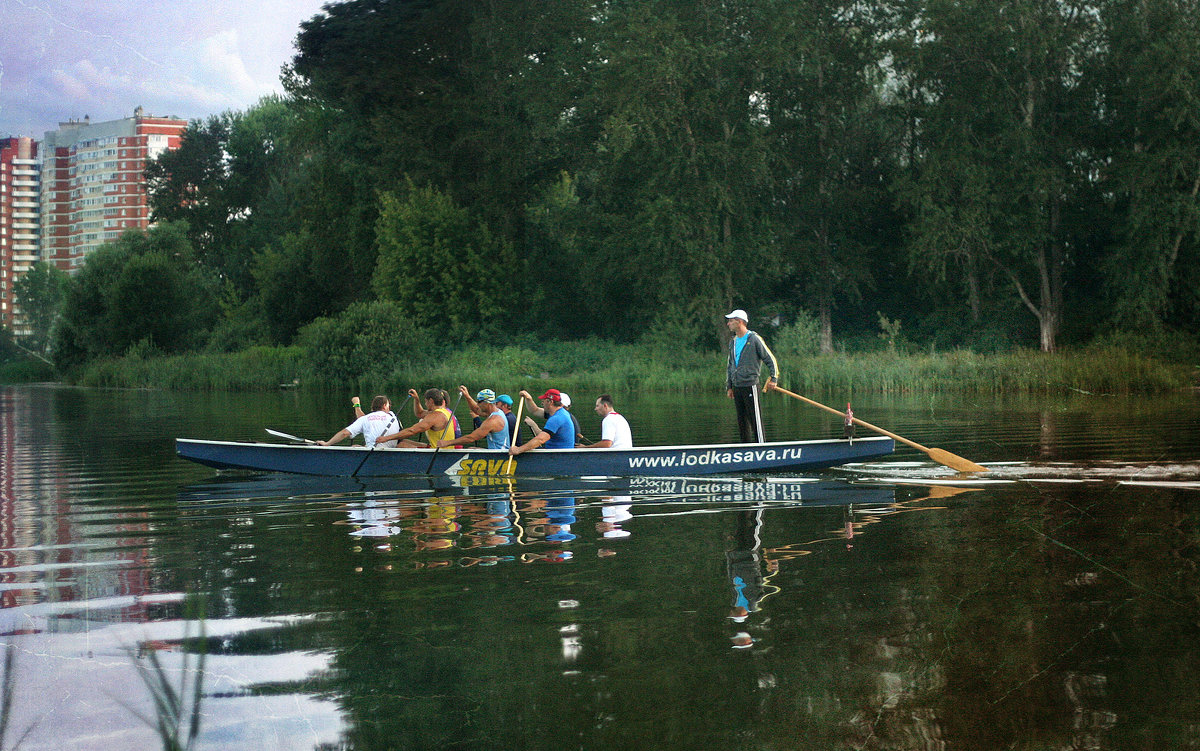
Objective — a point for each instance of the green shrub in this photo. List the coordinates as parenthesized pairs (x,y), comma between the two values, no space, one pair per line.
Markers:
(799,338)
(25,371)
(368,341)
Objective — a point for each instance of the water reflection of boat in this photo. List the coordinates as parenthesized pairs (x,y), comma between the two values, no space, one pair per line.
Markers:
(644,461)
(277,488)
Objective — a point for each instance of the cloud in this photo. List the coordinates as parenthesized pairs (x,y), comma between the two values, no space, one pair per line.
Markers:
(186,58)
(198,79)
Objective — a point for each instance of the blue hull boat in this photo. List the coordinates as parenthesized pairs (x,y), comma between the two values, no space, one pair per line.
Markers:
(642,461)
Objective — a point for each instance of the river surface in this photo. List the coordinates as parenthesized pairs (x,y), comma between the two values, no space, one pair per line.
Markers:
(1052,603)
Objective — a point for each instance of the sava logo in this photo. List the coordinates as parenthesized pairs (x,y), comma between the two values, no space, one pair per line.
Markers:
(490,466)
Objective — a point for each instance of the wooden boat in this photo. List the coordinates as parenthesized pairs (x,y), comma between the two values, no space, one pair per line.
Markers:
(642,461)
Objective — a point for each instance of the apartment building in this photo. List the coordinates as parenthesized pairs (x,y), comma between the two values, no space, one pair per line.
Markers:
(93,182)
(19,177)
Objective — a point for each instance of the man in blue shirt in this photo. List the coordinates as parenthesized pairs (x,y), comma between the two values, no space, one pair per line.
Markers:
(559,430)
(747,354)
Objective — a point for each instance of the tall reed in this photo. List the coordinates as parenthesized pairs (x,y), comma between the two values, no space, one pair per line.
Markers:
(177,709)
(604,366)
(254,369)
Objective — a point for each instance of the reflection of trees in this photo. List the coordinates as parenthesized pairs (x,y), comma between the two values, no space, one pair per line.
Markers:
(1020,633)
(1002,620)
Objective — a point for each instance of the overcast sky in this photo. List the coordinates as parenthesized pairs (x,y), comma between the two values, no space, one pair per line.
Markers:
(63,59)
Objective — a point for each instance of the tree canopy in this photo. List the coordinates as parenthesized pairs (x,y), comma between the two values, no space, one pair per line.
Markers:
(972,172)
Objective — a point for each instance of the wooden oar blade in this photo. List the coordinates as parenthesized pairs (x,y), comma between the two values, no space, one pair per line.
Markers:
(954,461)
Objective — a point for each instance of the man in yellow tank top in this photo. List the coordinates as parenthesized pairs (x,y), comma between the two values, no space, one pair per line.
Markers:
(435,424)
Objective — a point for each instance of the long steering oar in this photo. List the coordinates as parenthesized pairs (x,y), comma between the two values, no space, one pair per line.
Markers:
(512,441)
(297,439)
(941,456)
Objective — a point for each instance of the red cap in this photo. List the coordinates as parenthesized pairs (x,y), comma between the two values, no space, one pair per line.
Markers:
(553,395)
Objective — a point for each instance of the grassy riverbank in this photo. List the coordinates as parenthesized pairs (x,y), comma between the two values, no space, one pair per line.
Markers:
(600,366)
(25,371)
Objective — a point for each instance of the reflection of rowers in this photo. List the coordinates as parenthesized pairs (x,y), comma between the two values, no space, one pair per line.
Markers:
(612,515)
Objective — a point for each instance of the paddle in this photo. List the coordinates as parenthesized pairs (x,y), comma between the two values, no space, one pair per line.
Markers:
(449,423)
(941,456)
(512,440)
(289,437)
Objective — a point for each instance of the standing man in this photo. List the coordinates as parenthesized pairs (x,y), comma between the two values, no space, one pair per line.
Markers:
(747,353)
(614,429)
(492,424)
(559,432)
(372,425)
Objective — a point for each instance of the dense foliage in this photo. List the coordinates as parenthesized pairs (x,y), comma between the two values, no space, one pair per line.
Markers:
(145,293)
(978,174)
(39,293)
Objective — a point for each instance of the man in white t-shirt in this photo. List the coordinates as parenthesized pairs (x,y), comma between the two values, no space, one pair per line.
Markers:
(379,421)
(614,429)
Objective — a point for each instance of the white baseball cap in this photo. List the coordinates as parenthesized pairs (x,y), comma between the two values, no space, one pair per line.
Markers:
(566,400)
(739,313)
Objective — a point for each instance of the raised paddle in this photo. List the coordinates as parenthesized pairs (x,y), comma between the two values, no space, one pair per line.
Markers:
(512,441)
(941,456)
(449,424)
(289,437)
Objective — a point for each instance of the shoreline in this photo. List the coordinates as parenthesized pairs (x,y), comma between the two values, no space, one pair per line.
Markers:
(1094,371)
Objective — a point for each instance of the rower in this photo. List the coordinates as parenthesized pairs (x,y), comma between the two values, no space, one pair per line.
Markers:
(559,431)
(614,429)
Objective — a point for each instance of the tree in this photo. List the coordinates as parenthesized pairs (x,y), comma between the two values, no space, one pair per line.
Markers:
(669,188)
(287,290)
(445,268)
(829,150)
(1150,124)
(449,94)
(225,181)
(39,293)
(999,94)
(144,287)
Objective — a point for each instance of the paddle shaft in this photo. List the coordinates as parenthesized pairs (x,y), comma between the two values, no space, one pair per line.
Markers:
(396,417)
(856,421)
(373,445)
(941,456)
(512,440)
(449,424)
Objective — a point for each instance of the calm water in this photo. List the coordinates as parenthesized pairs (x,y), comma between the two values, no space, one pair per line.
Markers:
(892,606)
